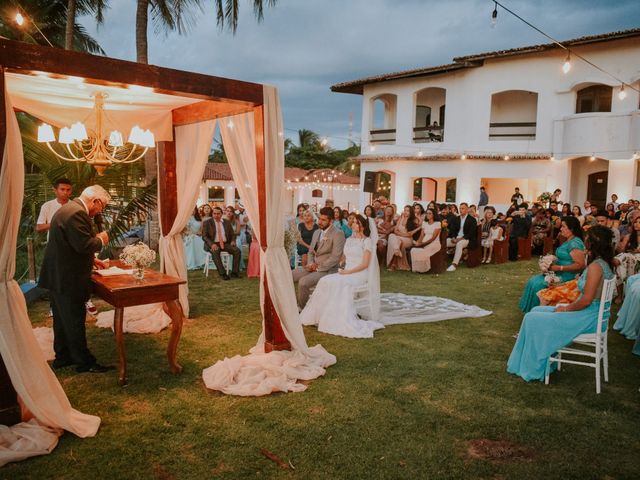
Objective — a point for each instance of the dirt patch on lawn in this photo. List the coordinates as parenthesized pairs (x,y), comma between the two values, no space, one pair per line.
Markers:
(498,451)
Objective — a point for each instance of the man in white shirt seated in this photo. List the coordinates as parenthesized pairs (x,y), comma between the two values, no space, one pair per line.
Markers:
(62,189)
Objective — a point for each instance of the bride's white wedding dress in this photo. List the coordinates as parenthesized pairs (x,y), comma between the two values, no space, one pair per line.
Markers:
(331,306)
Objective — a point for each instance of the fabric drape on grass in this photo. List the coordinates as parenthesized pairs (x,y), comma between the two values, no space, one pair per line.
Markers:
(31,376)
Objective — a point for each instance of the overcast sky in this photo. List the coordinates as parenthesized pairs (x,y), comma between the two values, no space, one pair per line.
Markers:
(305,46)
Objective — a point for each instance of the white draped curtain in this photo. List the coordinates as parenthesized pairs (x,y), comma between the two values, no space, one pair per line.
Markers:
(192,143)
(260,373)
(31,376)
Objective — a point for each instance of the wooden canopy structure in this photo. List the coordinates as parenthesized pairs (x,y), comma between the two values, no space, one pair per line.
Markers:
(214,97)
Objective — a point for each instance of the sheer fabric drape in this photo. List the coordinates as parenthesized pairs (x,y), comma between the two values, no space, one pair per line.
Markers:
(37,386)
(260,373)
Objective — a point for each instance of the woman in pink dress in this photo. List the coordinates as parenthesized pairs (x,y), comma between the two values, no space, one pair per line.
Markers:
(253,268)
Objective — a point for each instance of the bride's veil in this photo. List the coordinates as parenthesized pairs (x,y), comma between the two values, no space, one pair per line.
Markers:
(374,274)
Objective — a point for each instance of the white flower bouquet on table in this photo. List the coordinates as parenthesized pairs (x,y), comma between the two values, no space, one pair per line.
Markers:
(139,256)
(545,262)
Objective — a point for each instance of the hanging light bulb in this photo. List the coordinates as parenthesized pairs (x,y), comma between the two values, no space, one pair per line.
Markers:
(494,15)
(19,19)
(566,66)
(463,157)
(622,94)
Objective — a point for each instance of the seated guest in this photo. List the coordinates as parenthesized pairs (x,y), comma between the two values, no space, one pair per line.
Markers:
(218,237)
(566,210)
(576,212)
(193,244)
(626,261)
(520,226)
(570,261)
(462,234)
(340,221)
(473,211)
(325,253)
(489,213)
(386,225)
(628,322)
(540,229)
(401,239)
(427,244)
(418,211)
(369,212)
(545,330)
(611,211)
(377,207)
(306,229)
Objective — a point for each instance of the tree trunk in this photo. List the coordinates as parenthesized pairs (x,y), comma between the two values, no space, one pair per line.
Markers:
(71,22)
(142,18)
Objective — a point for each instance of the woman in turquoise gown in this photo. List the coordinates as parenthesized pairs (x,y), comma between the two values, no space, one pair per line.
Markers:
(570,262)
(193,244)
(545,330)
(629,315)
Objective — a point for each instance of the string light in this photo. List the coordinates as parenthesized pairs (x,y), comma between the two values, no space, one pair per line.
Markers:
(494,15)
(566,66)
(463,157)
(592,158)
(622,94)
(507,157)
(19,19)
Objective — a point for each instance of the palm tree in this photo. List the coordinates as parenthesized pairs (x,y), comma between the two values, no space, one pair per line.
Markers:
(82,7)
(50,16)
(170,15)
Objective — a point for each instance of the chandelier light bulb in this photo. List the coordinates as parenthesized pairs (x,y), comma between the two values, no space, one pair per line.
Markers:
(622,94)
(79,132)
(566,66)
(148,139)
(136,135)
(66,136)
(115,139)
(45,133)
(19,19)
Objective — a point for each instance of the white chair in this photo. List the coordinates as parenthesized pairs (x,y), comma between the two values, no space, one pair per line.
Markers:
(227,262)
(597,342)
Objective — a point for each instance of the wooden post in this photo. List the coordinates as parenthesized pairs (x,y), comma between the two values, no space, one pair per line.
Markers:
(274,337)
(167,185)
(9,408)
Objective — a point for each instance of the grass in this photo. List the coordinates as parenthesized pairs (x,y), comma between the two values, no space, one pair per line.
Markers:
(403,405)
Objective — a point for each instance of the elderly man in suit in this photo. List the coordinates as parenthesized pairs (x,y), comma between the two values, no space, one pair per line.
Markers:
(325,253)
(218,237)
(66,273)
(462,234)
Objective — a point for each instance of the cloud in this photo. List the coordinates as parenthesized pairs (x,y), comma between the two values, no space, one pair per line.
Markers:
(303,47)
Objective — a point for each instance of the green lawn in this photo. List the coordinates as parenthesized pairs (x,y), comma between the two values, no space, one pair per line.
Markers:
(405,404)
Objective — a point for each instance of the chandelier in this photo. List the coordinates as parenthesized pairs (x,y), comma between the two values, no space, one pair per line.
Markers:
(94,147)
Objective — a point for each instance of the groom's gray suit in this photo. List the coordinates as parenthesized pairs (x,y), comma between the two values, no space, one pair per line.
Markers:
(325,251)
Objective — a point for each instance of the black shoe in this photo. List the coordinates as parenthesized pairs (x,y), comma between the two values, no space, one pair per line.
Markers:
(58,364)
(94,368)
(225,277)
(235,275)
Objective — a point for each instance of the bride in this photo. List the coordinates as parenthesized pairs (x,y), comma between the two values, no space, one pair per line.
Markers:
(332,307)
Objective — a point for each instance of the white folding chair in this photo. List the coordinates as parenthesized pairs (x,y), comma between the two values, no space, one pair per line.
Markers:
(596,342)
(227,261)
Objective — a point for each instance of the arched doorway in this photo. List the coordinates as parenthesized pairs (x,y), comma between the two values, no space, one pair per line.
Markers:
(597,188)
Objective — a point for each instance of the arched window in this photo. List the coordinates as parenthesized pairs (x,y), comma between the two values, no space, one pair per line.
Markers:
(513,115)
(429,115)
(596,98)
(317,193)
(451,190)
(383,119)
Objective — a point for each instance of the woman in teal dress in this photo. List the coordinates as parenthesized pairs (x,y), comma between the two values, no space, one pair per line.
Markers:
(570,262)
(545,330)
(629,315)
(193,244)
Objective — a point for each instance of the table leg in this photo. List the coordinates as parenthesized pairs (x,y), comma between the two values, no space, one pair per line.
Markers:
(177,317)
(118,319)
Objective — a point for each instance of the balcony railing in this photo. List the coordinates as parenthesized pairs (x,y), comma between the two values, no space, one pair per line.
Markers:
(512,131)
(428,134)
(387,135)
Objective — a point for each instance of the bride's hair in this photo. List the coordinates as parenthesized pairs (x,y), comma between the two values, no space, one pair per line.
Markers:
(364,224)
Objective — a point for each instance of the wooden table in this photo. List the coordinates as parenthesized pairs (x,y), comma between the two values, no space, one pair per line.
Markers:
(126,291)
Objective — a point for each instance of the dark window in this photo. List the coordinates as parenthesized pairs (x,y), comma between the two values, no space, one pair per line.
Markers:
(423,116)
(596,98)
(638,173)
(442,116)
(317,193)
(451,190)
(216,194)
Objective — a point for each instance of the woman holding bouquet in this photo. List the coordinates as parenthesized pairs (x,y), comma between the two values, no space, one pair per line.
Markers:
(569,262)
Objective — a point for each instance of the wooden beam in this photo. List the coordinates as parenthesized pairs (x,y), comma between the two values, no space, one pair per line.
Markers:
(167,185)
(9,408)
(28,58)
(206,110)
(274,337)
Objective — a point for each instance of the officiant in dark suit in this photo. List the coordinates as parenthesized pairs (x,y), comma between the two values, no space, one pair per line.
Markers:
(66,273)
(218,237)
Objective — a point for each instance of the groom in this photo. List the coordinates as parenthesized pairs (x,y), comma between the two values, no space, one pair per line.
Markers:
(325,253)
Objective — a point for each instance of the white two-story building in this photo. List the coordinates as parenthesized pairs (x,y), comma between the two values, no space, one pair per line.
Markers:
(505,119)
